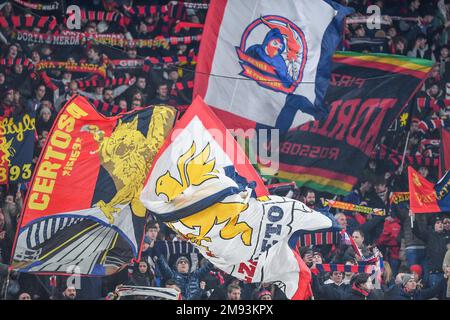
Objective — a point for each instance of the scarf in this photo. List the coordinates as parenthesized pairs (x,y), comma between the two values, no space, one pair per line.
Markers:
(181,25)
(94,82)
(354,207)
(38,6)
(317,238)
(107,109)
(72,67)
(47,23)
(327,267)
(27,63)
(362,291)
(72,39)
(398,197)
(385,153)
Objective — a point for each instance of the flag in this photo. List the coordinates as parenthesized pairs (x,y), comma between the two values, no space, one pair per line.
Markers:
(17,134)
(444,151)
(426,197)
(203,188)
(82,209)
(268,63)
(367,92)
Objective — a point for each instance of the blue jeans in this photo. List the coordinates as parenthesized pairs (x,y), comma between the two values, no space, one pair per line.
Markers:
(434,278)
(415,256)
(395,264)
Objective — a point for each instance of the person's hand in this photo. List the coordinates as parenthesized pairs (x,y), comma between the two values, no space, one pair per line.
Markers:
(145,246)
(447,271)
(2,235)
(419,284)
(411,213)
(18,195)
(132,81)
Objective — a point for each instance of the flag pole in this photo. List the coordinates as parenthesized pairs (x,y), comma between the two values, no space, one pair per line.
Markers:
(404,152)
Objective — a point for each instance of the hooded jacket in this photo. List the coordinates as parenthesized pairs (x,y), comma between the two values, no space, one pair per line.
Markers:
(187,282)
(436,244)
(258,51)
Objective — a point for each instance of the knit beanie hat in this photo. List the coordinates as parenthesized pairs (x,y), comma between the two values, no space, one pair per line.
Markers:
(406,278)
(416,268)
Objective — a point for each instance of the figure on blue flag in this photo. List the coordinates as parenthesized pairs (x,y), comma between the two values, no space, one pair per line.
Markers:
(270,51)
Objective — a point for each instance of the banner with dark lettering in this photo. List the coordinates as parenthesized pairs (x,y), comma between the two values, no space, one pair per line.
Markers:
(16,148)
(366,93)
(82,208)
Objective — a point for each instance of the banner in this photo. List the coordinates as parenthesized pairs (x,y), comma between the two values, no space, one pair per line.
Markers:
(426,197)
(273,58)
(353,207)
(367,92)
(203,187)
(444,151)
(82,209)
(17,136)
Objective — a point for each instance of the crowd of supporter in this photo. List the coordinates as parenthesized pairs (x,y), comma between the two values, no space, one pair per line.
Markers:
(416,254)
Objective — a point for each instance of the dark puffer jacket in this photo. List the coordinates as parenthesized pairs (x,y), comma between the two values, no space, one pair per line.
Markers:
(398,293)
(187,282)
(436,244)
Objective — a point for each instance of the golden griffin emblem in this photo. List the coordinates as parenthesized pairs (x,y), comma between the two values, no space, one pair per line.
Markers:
(6,151)
(195,170)
(127,156)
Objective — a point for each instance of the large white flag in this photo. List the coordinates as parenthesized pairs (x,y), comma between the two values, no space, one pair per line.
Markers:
(200,186)
(266,62)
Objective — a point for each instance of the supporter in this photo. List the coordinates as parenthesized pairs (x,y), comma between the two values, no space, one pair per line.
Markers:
(270,290)
(24,296)
(163,96)
(435,239)
(233,292)
(362,289)
(310,199)
(189,282)
(421,48)
(348,276)
(414,247)
(446,269)
(408,290)
(420,29)
(70,293)
(142,275)
(6,104)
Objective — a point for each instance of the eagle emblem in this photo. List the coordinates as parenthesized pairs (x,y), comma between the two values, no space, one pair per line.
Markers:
(195,169)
